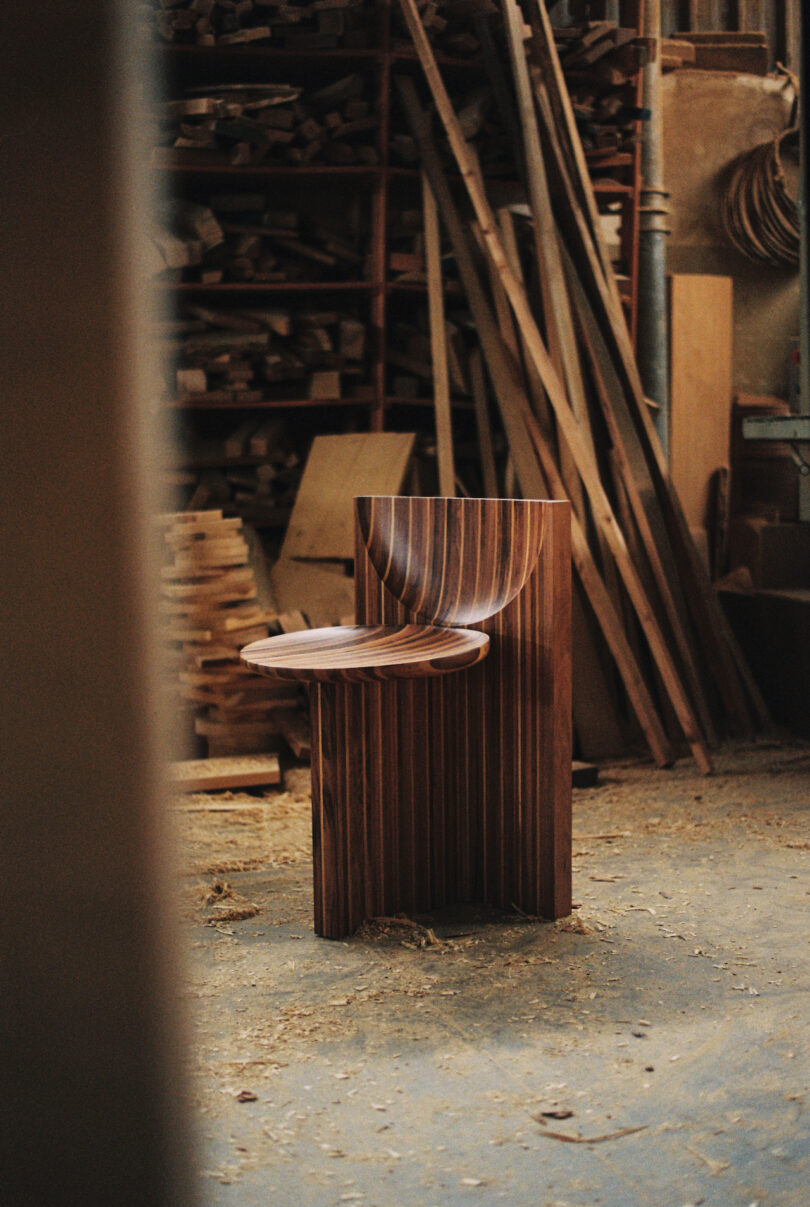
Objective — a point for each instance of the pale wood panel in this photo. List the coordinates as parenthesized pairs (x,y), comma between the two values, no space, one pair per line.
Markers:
(338,469)
(700,386)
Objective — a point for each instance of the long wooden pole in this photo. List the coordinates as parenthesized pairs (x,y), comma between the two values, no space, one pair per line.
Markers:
(438,343)
(583,456)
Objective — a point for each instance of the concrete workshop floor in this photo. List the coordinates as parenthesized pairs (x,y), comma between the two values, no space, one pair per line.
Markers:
(652,1050)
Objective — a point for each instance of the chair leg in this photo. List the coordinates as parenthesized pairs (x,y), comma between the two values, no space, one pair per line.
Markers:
(371,796)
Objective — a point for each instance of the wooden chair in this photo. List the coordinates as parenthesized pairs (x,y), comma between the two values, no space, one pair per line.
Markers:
(441,721)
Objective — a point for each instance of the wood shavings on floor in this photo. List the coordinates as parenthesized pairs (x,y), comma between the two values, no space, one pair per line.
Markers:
(268,829)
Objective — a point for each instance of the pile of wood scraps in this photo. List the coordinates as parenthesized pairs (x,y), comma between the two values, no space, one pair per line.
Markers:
(482,125)
(238,237)
(251,471)
(244,357)
(209,609)
(293,25)
(655,653)
(241,124)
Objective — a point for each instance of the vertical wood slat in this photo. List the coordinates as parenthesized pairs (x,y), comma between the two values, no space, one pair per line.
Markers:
(438,342)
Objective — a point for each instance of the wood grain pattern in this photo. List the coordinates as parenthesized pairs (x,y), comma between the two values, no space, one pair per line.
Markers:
(442,788)
(366,652)
(338,467)
(488,797)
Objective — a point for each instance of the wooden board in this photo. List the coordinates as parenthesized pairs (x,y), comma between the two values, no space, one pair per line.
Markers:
(338,469)
(321,591)
(210,775)
(700,387)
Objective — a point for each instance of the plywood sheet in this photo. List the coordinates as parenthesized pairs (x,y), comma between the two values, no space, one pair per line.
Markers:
(320,590)
(338,469)
(209,775)
(701,335)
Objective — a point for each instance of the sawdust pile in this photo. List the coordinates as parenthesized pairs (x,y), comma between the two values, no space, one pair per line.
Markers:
(222,832)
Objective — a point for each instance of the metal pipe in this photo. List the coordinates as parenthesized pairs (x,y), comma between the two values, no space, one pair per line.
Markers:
(652,341)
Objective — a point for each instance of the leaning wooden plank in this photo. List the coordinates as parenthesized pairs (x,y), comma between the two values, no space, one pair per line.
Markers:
(559,324)
(701,331)
(710,623)
(338,468)
(583,457)
(641,496)
(479,392)
(519,423)
(545,50)
(211,775)
(438,343)
(535,386)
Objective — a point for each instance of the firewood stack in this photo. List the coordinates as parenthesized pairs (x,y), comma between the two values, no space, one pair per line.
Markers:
(600,62)
(322,25)
(249,356)
(240,124)
(652,647)
(240,237)
(210,609)
(450,26)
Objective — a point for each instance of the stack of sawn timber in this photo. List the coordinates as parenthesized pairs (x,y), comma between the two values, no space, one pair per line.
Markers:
(210,610)
(564,377)
(241,124)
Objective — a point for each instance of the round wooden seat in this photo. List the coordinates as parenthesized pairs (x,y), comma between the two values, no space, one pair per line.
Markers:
(366,652)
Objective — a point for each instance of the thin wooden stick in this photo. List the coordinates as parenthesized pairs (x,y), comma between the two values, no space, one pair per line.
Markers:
(600,504)
(556,305)
(479,393)
(438,343)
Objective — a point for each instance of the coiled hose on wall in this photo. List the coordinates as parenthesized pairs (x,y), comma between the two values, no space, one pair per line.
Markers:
(759,205)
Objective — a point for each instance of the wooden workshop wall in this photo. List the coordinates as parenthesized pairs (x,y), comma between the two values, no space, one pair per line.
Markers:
(709,118)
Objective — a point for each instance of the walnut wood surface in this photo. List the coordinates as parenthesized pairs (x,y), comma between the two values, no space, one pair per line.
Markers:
(458,787)
(451,561)
(366,652)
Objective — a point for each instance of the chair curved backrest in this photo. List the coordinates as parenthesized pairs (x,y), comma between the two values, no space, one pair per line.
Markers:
(453,562)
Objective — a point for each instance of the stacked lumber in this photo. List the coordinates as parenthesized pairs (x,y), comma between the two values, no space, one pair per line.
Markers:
(410,356)
(243,357)
(452,26)
(241,124)
(483,128)
(291,25)
(601,62)
(653,647)
(721,50)
(252,471)
(240,237)
(676,53)
(209,610)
